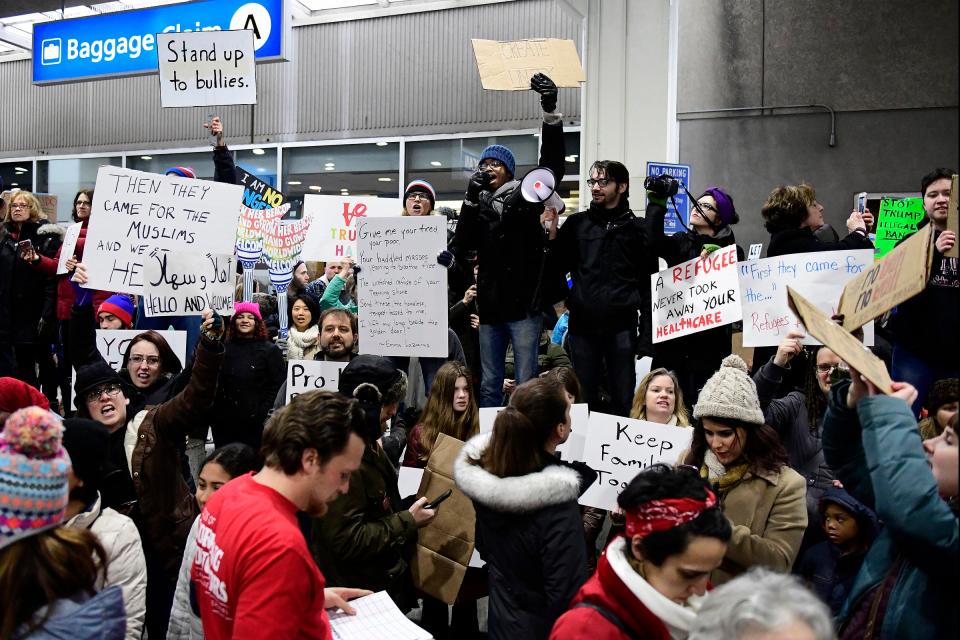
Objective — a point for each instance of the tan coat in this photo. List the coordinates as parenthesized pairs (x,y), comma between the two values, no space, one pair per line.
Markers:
(769,515)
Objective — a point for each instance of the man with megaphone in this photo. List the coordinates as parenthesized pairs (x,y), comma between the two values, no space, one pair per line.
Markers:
(512,251)
(609,254)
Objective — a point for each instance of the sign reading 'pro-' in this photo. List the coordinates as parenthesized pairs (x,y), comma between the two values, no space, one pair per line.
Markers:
(202,68)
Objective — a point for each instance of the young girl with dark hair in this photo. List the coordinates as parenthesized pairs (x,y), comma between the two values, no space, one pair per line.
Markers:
(451,409)
(253,369)
(219,468)
(743,460)
(303,339)
(676,535)
(528,522)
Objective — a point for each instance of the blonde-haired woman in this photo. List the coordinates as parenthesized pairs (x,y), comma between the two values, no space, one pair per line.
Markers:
(659,399)
(27,297)
(451,409)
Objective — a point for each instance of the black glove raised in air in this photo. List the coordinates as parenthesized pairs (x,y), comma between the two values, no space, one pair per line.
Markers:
(547,90)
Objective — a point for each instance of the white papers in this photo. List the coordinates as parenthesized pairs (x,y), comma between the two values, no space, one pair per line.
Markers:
(69,246)
(377,618)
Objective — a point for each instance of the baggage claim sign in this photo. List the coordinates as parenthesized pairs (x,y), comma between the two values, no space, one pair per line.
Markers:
(125,43)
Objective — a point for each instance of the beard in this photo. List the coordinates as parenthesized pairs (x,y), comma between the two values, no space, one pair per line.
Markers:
(316,508)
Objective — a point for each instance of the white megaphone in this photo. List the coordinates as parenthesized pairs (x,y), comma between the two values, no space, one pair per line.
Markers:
(539,185)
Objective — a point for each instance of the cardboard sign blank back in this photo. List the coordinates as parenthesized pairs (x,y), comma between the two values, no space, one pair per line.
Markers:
(445,546)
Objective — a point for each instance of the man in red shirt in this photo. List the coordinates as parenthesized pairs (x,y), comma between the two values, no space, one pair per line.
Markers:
(254,576)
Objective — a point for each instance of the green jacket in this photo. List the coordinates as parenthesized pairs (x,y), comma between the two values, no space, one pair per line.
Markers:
(877,453)
(331,296)
(367,539)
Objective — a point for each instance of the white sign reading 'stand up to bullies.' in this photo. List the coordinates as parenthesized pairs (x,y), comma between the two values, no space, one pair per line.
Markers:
(201,68)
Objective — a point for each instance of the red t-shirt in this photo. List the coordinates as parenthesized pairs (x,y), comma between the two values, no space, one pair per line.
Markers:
(254,576)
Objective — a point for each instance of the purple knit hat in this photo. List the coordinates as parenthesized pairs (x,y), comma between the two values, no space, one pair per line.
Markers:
(726,212)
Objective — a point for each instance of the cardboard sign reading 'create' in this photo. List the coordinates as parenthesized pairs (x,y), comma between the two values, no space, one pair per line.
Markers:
(620,448)
(507,66)
(898,218)
(696,295)
(402,291)
(184,284)
(899,276)
(333,230)
(135,212)
(841,342)
(200,68)
(820,277)
(312,375)
(572,449)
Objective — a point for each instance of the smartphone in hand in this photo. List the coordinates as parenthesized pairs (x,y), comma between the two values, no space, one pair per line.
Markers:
(25,248)
(433,504)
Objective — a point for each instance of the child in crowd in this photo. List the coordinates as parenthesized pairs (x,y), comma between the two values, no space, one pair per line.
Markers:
(831,566)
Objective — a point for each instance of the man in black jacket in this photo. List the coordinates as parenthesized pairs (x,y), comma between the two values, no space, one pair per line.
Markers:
(609,255)
(511,247)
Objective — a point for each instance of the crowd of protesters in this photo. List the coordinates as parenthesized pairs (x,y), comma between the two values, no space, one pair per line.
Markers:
(809,504)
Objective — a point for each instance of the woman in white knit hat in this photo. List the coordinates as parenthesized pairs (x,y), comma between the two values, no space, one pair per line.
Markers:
(764,499)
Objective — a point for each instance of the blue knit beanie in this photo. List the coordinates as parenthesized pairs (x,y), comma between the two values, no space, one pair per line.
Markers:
(501,153)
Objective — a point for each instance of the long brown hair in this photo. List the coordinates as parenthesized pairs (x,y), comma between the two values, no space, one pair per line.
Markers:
(439,417)
(639,409)
(48,566)
(521,430)
(568,379)
(169,362)
(762,450)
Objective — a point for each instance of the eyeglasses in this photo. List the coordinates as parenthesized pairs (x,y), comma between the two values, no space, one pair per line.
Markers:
(19,205)
(417,196)
(707,206)
(601,182)
(82,203)
(111,389)
(137,360)
(491,164)
(827,369)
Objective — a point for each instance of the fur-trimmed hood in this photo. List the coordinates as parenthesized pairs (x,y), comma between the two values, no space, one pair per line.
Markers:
(52,229)
(553,485)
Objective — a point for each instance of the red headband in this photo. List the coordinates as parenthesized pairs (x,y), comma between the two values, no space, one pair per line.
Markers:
(660,515)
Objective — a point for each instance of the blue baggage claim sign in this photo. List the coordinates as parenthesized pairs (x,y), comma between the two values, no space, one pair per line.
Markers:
(124,42)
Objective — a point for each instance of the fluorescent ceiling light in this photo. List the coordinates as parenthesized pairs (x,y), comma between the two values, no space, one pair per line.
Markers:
(293,182)
(381,144)
(146,157)
(258,151)
(383,179)
(435,163)
(315,187)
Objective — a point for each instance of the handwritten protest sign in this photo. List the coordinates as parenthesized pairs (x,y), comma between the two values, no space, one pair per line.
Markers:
(312,375)
(112,344)
(619,448)
(333,233)
(507,66)
(135,212)
(184,284)
(199,68)
(952,224)
(403,291)
(69,246)
(48,204)
(695,295)
(573,448)
(820,277)
(257,193)
(898,218)
(841,342)
(899,276)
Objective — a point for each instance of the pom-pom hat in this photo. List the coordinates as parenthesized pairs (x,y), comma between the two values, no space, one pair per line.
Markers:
(730,393)
(33,475)
(421,186)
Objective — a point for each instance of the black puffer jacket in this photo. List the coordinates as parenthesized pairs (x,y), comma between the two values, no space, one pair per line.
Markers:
(505,231)
(251,374)
(530,535)
(609,254)
(789,241)
(26,295)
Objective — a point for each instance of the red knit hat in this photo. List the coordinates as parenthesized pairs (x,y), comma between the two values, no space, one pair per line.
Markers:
(120,306)
(17,394)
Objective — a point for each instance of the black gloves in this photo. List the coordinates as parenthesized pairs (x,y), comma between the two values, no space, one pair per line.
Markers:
(547,90)
(214,332)
(445,259)
(478,182)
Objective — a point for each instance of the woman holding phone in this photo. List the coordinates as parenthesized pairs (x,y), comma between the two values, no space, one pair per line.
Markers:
(27,297)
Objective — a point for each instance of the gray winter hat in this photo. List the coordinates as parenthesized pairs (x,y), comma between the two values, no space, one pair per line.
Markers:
(730,393)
